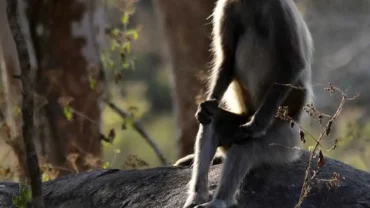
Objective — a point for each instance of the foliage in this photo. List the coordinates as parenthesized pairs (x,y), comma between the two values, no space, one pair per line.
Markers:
(24,197)
(121,38)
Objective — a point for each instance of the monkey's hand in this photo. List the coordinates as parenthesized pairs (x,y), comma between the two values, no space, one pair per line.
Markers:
(207,111)
(248,131)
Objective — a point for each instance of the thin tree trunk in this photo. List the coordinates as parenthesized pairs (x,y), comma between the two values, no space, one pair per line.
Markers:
(33,169)
(188,32)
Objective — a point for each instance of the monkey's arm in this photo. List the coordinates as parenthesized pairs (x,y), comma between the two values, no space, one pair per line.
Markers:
(226,31)
(286,40)
(225,38)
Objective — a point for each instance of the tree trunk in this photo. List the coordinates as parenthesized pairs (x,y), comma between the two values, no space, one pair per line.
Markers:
(188,32)
(66,40)
(11,93)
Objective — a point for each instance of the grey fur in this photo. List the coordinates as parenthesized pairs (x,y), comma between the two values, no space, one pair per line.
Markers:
(255,42)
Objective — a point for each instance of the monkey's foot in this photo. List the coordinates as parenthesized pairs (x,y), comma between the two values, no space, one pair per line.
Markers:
(188,160)
(217,204)
(194,199)
(185,161)
(206,111)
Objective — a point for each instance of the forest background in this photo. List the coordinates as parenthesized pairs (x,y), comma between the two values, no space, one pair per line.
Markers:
(141,73)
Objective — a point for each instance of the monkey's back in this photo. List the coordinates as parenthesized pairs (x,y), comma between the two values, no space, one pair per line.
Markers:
(256,64)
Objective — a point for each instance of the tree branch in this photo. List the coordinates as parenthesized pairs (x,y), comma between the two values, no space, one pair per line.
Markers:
(140,129)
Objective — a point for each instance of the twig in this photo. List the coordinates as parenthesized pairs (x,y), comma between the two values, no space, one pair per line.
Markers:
(325,131)
(283,114)
(140,129)
(34,172)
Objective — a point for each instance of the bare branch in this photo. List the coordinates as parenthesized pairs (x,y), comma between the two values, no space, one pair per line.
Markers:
(140,129)
(325,132)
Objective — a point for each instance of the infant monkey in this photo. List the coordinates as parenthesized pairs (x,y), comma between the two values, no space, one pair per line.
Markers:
(261,49)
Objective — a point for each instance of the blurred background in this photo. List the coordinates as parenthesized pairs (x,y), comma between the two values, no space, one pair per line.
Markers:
(118,81)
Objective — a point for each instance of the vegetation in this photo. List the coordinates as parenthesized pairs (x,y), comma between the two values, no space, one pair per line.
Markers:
(138,130)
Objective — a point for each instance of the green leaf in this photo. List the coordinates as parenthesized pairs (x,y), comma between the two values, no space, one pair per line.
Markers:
(106,165)
(28,194)
(17,201)
(126,65)
(92,82)
(125,18)
(68,113)
(115,32)
(45,177)
(24,197)
(133,33)
(125,48)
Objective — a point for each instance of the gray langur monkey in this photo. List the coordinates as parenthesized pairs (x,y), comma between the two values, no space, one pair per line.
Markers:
(262,48)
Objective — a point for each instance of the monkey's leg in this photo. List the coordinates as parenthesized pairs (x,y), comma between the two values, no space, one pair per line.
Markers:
(278,146)
(208,139)
(205,148)
(224,123)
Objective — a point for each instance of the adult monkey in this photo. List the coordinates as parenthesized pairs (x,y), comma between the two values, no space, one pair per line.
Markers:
(261,48)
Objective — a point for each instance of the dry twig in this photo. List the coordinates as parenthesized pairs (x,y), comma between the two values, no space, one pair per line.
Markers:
(325,132)
(140,129)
